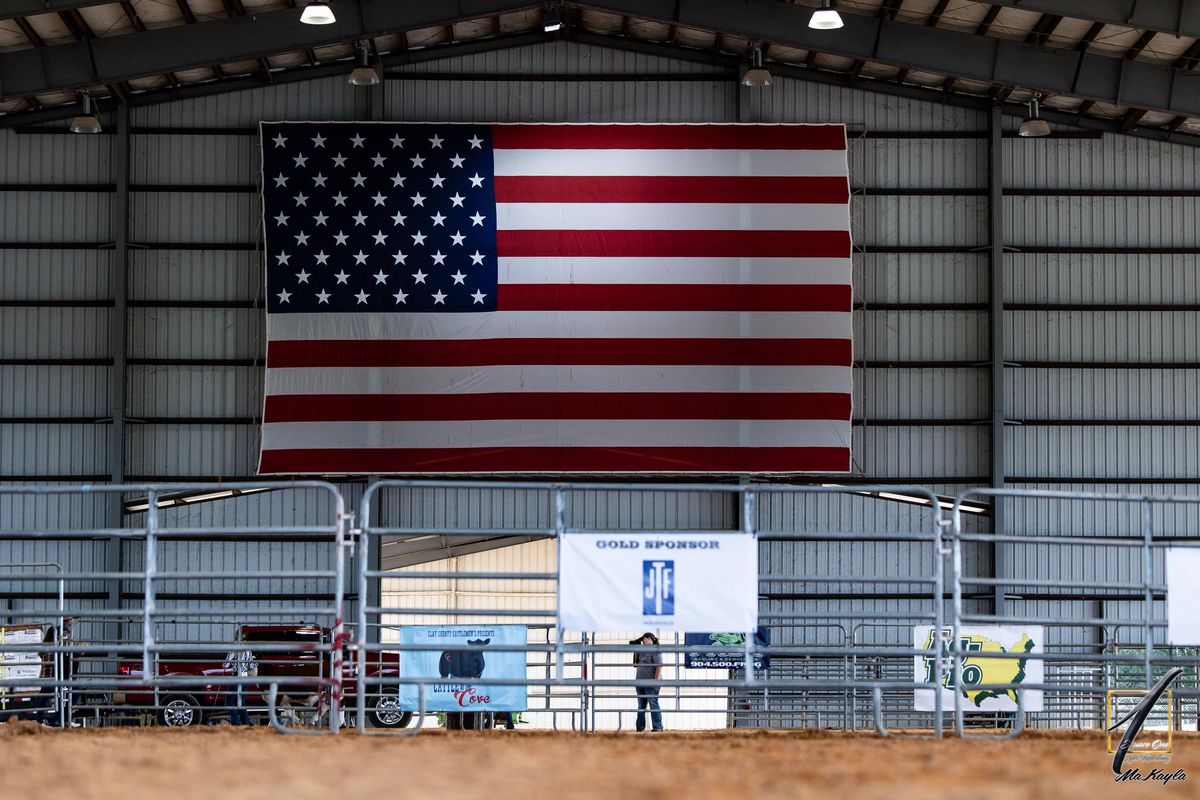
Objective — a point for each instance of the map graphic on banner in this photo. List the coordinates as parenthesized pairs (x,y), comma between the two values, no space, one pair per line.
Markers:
(978,670)
(442,660)
(447,298)
(622,582)
(703,660)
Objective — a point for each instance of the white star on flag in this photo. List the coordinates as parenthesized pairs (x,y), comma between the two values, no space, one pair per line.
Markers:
(397,141)
(322,259)
(377,159)
(458,276)
(478,296)
(301,238)
(476,258)
(318,141)
(438,258)
(417,161)
(322,296)
(380,277)
(398,219)
(285,296)
(475,142)
(397,180)
(320,218)
(342,277)
(476,181)
(419,276)
(360,180)
(458,238)
(300,160)
(362,297)
(360,218)
(339,238)
(418,199)
(279,140)
(281,180)
(282,218)
(319,180)
(379,237)
(436,141)
(339,160)
(437,180)
(438,218)
(399,258)
(302,276)
(379,199)
(400,297)
(339,199)
(457,161)
(457,199)
(360,258)
(477,218)
(439,298)
(282,258)
(357,141)
(418,238)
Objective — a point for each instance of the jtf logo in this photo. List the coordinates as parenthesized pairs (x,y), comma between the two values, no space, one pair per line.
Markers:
(658,587)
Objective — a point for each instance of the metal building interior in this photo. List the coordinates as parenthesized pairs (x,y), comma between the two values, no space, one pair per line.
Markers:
(1027,310)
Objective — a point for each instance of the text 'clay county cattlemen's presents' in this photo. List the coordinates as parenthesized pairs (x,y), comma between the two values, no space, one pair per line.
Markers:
(463,664)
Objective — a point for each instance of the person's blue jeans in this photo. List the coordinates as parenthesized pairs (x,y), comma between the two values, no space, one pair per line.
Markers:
(648,699)
(238,715)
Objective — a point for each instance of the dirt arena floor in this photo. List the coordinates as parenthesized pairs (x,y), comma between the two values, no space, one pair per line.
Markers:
(132,764)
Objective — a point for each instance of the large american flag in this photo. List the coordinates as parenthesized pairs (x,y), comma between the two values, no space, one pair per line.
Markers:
(448,298)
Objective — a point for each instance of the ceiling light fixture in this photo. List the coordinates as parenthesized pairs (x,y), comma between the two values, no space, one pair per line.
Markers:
(363,74)
(552,20)
(317,14)
(757,76)
(825,18)
(1034,126)
(88,120)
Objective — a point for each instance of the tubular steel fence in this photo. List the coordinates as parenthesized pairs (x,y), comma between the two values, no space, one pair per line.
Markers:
(844,596)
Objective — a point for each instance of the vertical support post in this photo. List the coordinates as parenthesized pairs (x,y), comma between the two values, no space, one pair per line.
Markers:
(996,338)
(150,568)
(118,328)
(362,564)
(339,624)
(748,514)
(956,622)
(370,550)
(1148,588)
(560,524)
(939,602)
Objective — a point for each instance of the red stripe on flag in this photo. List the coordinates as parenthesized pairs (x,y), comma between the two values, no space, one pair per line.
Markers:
(666,244)
(673,297)
(669,137)
(483,352)
(556,405)
(559,459)
(669,189)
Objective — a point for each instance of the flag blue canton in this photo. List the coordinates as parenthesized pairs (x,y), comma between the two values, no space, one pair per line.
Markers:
(379,217)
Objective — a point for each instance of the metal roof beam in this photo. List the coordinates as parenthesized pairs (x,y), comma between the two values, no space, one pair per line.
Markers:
(1179,17)
(28,8)
(154,52)
(985,59)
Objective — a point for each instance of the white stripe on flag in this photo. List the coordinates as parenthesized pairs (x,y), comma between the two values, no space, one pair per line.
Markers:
(563,325)
(539,378)
(555,433)
(676,271)
(746,163)
(672,217)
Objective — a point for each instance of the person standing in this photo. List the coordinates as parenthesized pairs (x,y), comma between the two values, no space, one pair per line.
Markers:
(649,668)
(239,663)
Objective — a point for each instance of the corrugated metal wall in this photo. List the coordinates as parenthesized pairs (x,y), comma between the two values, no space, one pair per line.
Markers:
(1102,330)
